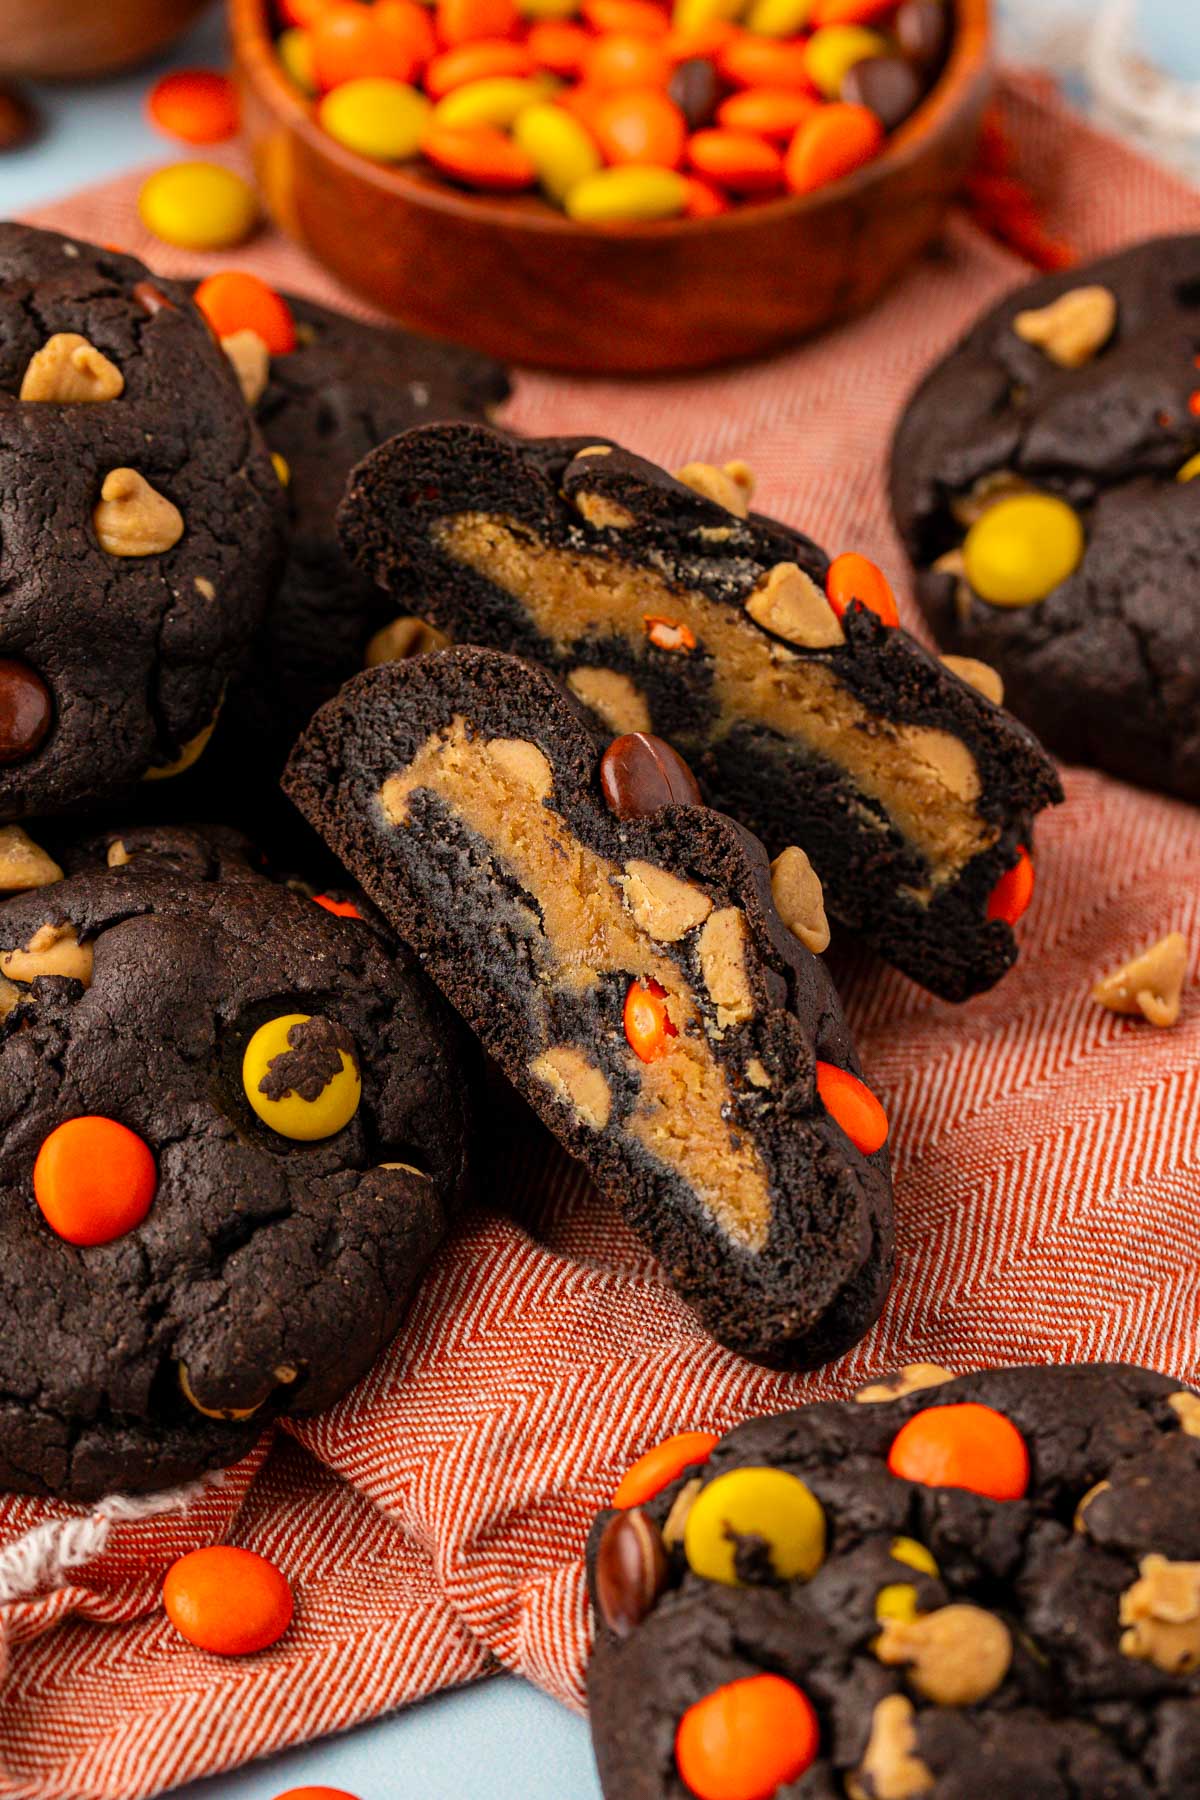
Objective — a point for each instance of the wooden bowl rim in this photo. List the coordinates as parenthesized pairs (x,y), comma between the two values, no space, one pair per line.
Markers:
(967,64)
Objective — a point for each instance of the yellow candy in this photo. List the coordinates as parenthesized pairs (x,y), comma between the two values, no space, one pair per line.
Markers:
(762,1503)
(281,467)
(833,51)
(198,206)
(291,1115)
(896,1601)
(1022,549)
(1190,469)
(496,100)
(294,50)
(692,15)
(558,146)
(633,193)
(778,18)
(916,1556)
(377,117)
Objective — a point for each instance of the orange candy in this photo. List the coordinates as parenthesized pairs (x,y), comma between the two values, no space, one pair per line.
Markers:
(736,160)
(462,21)
(404,37)
(478,62)
(963,1446)
(704,201)
(836,140)
(648,1025)
(342,909)
(746,1740)
(638,16)
(626,60)
(659,1467)
(316,1793)
(232,1602)
(640,125)
(749,61)
(1010,897)
(237,301)
(851,1104)
(198,105)
(479,156)
(848,12)
(94,1180)
(768,112)
(687,43)
(342,37)
(557,45)
(852,577)
(301,12)
(1194,403)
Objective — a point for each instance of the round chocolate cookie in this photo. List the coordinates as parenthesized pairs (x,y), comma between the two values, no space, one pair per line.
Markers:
(140,524)
(233,1127)
(1042,479)
(955,1588)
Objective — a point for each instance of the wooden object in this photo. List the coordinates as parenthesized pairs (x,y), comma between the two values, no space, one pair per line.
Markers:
(78,38)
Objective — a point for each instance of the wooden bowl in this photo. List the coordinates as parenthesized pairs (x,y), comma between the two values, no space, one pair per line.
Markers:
(77,38)
(529,285)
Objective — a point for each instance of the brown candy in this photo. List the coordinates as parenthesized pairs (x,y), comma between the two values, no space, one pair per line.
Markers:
(887,85)
(640,773)
(696,90)
(26,710)
(631,1571)
(922,29)
(152,299)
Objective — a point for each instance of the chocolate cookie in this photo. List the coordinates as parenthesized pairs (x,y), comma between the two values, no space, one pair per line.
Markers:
(667,606)
(279,1104)
(1041,477)
(988,1587)
(140,524)
(618,951)
(345,388)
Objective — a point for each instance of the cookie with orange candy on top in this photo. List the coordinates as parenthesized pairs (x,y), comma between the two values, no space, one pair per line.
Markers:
(668,606)
(629,960)
(949,1586)
(233,1132)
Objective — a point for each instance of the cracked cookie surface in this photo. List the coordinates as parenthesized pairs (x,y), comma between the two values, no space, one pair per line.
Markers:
(140,524)
(669,610)
(624,961)
(1044,1646)
(268,1272)
(1082,388)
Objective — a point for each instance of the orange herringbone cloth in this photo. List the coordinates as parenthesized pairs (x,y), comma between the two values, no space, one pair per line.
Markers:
(1047,1161)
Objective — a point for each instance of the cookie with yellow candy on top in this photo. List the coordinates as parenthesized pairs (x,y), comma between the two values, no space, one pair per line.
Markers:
(1043,477)
(233,1131)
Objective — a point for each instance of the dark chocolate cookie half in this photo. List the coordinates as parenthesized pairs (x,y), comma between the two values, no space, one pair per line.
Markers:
(619,952)
(298,1100)
(1042,479)
(987,1587)
(667,607)
(140,525)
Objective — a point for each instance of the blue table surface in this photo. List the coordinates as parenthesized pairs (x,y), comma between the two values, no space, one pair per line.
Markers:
(502,1737)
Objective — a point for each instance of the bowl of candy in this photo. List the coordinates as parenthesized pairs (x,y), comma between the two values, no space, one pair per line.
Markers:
(73,39)
(627,186)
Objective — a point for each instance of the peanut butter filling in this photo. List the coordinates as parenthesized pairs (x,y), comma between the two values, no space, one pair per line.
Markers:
(926,780)
(596,919)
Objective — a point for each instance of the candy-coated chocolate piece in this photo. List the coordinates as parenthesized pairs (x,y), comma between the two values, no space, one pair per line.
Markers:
(294,50)
(26,710)
(479,156)
(746,1740)
(854,578)
(631,1570)
(649,1027)
(888,85)
(922,29)
(658,1467)
(908,1550)
(962,1445)
(640,773)
(755,1525)
(94,1179)
(227,1601)
(695,89)
(235,300)
(480,61)
(198,105)
(640,125)
(738,160)
(855,1108)
(771,112)
(496,100)
(300,1074)
(1009,899)
(833,51)
(778,18)
(626,60)
(376,116)
(462,21)
(633,194)
(1022,549)
(750,61)
(198,206)
(560,148)
(835,141)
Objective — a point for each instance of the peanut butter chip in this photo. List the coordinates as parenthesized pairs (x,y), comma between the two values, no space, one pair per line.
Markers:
(1186,1408)
(789,603)
(577,1081)
(954,1657)
(402,639)
(614,697)
(10,993)
(1072,329)
(756,1074)
(1162,1614)
(661,903)
(52,950)
(191,753)
(731,487)
(118,855)
(723,966)
(134,519)
(71,371)
(890,1768)
(601,511)
(1152,984)
(681,1506)
(979,675)
(204,588)
(251,361)
(24,864)
(908,1380)
(523,762)
(799,900)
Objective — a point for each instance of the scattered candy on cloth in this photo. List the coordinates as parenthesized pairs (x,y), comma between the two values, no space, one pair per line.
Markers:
(1046,1153)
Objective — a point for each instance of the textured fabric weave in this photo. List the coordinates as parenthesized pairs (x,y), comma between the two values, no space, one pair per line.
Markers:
(1046,1157)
